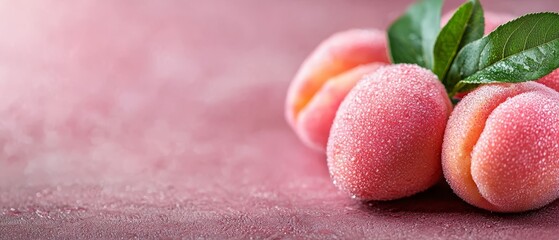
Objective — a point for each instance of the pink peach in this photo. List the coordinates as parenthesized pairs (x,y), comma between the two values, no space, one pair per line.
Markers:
(342,60)
(501,147)
(551,80)
(386,139)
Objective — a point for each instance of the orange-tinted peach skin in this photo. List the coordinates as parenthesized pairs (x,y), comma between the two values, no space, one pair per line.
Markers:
(386,139)
(501,147)
(326,77)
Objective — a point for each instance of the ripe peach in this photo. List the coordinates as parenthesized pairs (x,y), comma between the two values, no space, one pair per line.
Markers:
(386,139)
(551,80)
(325,78)
(501,147)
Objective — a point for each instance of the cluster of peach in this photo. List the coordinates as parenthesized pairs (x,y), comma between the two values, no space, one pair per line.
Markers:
(390,131)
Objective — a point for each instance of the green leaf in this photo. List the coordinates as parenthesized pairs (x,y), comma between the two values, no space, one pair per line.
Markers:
(411,37)
(524,49)
(465,26)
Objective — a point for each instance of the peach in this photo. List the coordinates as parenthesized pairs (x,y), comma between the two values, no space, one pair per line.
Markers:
(387,135)
(551,80)
(501,147)
(326,77)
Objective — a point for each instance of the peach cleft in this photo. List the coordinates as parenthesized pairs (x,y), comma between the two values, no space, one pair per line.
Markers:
(501,147)
(325,78)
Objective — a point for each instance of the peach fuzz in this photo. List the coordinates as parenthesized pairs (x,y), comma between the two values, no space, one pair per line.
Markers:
(551,80)
(387,135)
(501,147)
(326,76)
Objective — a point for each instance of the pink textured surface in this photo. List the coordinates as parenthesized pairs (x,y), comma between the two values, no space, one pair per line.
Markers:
(165,119)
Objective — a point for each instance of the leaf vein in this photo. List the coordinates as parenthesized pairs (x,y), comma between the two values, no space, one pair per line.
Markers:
(479,58)
(546,32)
(529,33)
(508,57)
(510,35)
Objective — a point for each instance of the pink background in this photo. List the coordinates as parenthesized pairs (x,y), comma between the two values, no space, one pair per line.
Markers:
(123,119)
